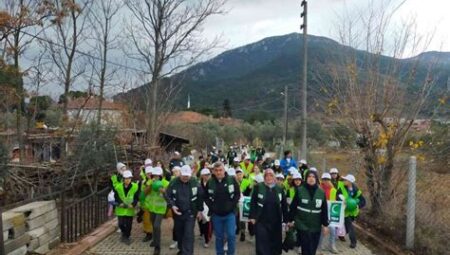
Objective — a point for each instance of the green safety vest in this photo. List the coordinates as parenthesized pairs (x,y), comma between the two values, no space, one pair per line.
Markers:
(245,183)
(291,192)
(156,201)
(142,173)
(229,185)
(308,216)
(193,191)
(261,197)
(353,213)
(116,179)
(144,198)
(127,200)
(247,169)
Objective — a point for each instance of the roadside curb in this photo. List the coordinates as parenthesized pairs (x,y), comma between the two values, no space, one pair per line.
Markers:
(93,238)
(386,246)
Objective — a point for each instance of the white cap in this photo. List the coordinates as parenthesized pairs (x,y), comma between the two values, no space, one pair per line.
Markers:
(292,170)
(326,176)
(120,165)
(127,174)
(313,169)
(148,169)
(148,162)
(302,161)
(296,175)
(157,171)
(205,171)
(334,170)
(177,153)
(259,178)
(277,162)
(236,159)
(279,176)
(238,169)
(186,170)
(247,157)
(231,171)
(349,178)
(176,168)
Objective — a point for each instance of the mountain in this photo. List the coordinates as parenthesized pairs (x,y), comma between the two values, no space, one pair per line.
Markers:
(253,76)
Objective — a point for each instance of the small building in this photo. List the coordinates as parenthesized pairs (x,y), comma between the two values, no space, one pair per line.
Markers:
(85,110)
(171,142)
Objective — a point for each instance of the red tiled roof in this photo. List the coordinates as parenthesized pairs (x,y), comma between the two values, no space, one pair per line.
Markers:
(92,103)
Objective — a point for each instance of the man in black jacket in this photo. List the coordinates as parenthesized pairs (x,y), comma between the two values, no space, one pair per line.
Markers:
(222,198)
(184,196)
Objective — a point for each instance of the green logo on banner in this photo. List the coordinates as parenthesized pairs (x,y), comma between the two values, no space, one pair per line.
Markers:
(335,212)
(246,207)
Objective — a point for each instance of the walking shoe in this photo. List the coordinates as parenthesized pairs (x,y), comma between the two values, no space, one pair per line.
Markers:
(205,245)
(242,237)
(147,237)
(334,250)
(127,241)
(342,238)
(225,247)
(299,250)
(251,239)
(179,253)
(157,251)
(353,245)
(173,245)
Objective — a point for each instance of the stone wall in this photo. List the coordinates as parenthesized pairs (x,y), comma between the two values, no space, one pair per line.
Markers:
(32,227)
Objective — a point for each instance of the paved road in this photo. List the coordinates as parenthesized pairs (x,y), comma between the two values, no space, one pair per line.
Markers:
(112,245)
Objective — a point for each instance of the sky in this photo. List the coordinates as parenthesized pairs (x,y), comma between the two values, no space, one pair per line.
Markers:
(248,21)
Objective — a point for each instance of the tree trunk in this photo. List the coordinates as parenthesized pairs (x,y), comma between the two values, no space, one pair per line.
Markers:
(372,183)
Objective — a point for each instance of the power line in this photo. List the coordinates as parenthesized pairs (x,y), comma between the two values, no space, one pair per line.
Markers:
(85,54)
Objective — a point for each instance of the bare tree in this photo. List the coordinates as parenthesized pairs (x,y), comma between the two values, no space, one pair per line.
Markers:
(64,39)
(103,18)
(371,93)
(166,35)
(16,18)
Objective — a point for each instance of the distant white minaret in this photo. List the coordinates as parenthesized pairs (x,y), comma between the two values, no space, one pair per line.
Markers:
(189,102)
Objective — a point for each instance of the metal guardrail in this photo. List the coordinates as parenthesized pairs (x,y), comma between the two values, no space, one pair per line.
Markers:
(78,216)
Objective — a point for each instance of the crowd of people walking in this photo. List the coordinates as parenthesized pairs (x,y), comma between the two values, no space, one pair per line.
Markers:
(288,198)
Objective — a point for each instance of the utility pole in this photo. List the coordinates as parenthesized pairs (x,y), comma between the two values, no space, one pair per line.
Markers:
(285,116)
(305,80)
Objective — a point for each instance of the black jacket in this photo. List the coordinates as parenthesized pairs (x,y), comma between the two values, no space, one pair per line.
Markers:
(221,202)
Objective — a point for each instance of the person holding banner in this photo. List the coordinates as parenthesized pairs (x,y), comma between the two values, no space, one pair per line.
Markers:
(268,210)
(353,200)
(330,194)
(309,214)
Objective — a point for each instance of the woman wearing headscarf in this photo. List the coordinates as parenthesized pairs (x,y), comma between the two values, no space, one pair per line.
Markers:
(309,213)
(268,210)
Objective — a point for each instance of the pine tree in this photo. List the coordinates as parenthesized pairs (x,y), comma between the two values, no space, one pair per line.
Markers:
(226,109)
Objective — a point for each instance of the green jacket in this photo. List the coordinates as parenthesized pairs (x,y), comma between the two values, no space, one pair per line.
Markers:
(309,212)
(259,197)
(196,196)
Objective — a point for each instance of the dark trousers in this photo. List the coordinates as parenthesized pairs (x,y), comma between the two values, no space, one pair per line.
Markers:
(250,228)
(309,242)
(348,221)
(205,230)
(268,239)
(174,234)
(184,232)
(125,225)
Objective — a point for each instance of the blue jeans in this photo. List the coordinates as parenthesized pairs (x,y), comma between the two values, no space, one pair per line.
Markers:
(225,225)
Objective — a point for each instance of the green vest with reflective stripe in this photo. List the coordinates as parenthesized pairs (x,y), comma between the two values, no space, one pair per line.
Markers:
(143,198)
(127,200)
(261,197)
(247,169)
(308,215)
(212,187)
(193,183)
(344,192)
(157,203)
